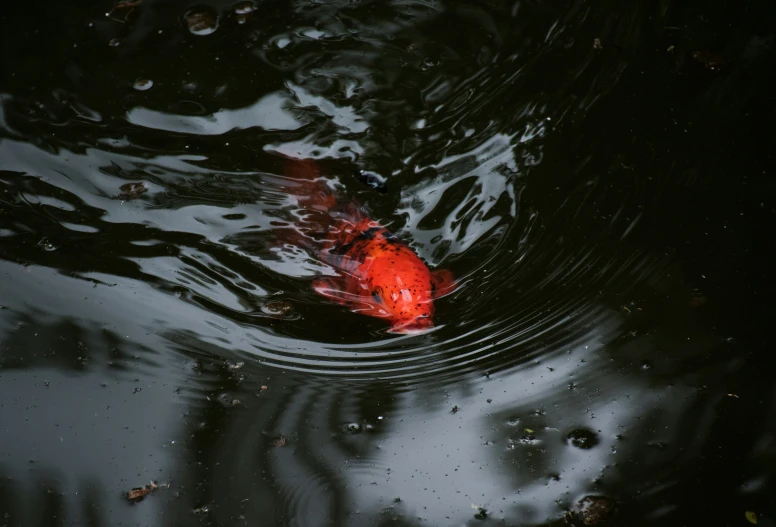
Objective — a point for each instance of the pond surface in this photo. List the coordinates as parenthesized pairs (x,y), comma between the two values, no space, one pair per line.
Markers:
(598,176)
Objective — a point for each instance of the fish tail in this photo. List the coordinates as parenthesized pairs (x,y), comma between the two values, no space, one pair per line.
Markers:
(313,190)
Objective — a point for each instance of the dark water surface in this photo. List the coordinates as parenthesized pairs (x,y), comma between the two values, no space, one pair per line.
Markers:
(599,175)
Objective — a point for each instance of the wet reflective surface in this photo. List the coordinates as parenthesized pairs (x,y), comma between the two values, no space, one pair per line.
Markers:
(599,177)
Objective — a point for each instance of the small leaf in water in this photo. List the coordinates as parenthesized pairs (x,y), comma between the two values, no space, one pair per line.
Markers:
(751,516)
(529,431)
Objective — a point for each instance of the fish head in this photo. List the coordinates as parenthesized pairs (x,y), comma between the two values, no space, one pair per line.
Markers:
(404,291)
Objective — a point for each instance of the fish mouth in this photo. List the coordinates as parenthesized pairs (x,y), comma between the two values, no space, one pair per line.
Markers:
(413,327)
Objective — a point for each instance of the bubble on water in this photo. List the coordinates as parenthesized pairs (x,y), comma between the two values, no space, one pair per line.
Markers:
(46,245)
(201,20)
(114,42)
(244,8)
(646,365)
(582,438)
(428,63)
(352,428)
(278,308)
(142,84)
(513,421)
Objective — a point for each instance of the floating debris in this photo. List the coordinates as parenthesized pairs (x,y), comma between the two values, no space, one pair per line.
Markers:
(597,44)
(482,514)
(133,190)
(138,493)
(455,410)
(593,509)
(279,442)
(751,517)
(234,365)
(227,401)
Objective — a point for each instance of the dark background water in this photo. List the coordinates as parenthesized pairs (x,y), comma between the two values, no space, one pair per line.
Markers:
(599,174)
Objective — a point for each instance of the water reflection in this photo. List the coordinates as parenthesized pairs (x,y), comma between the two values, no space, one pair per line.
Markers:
(608,226)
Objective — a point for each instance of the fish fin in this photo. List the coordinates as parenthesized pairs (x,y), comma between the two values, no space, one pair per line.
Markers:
(443,281)
(332,288)
(301,169)
(336,290)
(355,214)
(314,193)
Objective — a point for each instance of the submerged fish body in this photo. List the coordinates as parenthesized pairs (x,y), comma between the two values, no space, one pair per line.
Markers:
(379,274)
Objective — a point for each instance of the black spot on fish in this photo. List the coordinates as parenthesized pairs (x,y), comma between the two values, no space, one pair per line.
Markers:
(391,239)
(369,234)
(377,294)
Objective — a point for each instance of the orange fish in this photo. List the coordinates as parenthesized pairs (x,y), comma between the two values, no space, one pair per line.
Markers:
(379,275)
